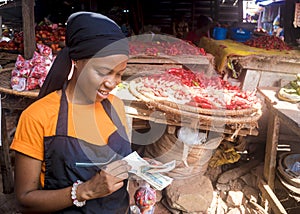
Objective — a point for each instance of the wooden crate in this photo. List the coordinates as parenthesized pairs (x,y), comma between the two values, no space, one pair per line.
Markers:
(141,65)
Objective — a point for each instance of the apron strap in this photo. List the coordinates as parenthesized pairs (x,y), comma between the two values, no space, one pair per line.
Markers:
(62,122)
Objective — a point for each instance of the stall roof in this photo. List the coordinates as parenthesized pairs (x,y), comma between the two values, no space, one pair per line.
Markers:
(269,2)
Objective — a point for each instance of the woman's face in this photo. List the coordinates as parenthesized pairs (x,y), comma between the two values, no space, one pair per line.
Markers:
(97,77)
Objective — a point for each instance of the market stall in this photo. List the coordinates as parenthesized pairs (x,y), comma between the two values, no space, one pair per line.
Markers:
(235,119)
(140,108)
(280,112)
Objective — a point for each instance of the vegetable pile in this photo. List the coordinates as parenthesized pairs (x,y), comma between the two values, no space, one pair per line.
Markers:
(167,48)
(291,91)
(268,43)
(50,35)
(295,84)
(31,74)
(195,89)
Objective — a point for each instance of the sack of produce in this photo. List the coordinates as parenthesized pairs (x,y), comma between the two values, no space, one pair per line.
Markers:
(191,159)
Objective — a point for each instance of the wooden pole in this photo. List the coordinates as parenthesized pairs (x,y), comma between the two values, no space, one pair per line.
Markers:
(28,28)
(5,162)
(0,26)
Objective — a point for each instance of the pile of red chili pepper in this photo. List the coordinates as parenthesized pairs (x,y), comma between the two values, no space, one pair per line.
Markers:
(191,79)
(162,47)
(210,92)
(238,99)
(268,43)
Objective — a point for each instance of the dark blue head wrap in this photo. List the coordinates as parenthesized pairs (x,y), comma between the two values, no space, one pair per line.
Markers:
(87,35)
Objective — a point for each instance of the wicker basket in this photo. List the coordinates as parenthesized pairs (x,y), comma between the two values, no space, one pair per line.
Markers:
(217,115)
(5,85)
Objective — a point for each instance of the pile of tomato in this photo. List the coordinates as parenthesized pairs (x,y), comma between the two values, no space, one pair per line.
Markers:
(268,43)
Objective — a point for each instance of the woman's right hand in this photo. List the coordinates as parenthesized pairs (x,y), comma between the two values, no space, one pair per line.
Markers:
(108,180)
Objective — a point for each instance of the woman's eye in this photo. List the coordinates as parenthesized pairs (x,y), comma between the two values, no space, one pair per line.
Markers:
(102,72)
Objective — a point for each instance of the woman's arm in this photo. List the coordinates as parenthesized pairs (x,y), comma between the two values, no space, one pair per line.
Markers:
(27,188)
(33,199)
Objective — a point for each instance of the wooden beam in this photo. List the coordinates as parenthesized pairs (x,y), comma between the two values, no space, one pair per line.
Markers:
(28,28)
(275,204)
(271,149)
(5,162)
(1,26)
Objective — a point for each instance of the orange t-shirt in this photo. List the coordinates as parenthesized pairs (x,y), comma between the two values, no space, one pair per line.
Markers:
(87,122)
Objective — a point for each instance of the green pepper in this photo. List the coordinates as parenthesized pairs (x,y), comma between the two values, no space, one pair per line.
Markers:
(294,84)
(298,90)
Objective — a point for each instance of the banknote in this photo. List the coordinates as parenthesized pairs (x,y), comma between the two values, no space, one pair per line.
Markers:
(156,180)
(148,172)
(167,167)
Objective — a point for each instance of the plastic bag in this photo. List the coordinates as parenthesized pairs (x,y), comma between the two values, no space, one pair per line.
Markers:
(296,168)
(145,198)
(18,83)
(191,136)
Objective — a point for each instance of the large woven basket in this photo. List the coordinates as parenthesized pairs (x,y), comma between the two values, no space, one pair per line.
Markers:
(217,115)
(5,85)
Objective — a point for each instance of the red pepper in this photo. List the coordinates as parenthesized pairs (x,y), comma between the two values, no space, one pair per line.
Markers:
(201,100)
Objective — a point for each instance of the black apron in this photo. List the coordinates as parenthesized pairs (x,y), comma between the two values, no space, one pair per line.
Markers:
(69,159)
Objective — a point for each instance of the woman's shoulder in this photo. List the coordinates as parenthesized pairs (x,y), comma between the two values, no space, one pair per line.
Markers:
(44,105)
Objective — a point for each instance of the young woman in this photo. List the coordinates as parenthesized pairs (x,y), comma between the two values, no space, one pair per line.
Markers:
(70,143)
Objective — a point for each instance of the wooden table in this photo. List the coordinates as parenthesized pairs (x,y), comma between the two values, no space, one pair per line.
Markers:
(280,112)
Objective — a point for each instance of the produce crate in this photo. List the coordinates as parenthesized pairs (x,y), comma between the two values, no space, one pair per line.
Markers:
(240,35)
(146,65)
(151,55)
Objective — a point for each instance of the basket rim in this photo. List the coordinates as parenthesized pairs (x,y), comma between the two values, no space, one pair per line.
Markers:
(225,119)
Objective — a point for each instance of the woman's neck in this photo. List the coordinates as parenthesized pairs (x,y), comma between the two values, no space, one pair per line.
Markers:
(75,96)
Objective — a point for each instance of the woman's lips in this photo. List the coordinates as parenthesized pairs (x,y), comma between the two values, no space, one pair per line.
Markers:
(102,94)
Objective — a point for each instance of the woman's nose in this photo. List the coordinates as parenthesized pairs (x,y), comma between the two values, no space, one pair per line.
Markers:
(110,83)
